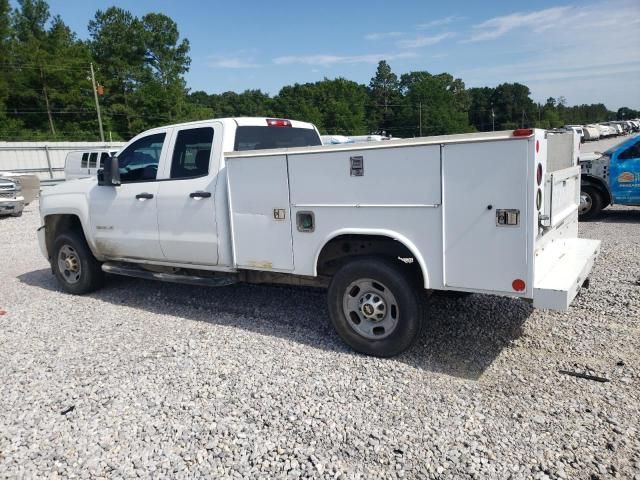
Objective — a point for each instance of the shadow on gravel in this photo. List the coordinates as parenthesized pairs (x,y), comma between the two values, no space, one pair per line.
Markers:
(630,215)
(462,337)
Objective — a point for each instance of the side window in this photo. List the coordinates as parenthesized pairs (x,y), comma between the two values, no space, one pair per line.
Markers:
(84,163)
(191,153)
(93,159)
(139,161)
(103,158)
(631,152)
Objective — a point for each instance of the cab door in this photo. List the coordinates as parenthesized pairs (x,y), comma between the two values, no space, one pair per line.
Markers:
(124,218)
(186,194)
(625,174)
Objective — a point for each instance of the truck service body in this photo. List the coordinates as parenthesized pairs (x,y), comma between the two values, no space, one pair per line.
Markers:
(215,202)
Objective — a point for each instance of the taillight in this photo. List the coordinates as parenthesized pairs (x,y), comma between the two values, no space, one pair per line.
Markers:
(539,174)
(523,132)
(518,285)
(278,122)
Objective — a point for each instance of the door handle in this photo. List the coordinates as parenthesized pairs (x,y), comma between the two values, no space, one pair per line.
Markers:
(200,194)
(144,196)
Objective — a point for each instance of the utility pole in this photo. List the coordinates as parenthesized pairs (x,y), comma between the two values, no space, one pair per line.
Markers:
(46,101)
(493,120)
(420,118)
(95,96)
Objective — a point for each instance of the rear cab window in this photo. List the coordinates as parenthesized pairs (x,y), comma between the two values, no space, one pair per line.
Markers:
(263,138)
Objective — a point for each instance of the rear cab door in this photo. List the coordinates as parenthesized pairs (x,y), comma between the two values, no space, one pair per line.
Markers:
(186,195)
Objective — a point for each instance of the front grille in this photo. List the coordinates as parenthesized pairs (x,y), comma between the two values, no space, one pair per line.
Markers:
(6,195)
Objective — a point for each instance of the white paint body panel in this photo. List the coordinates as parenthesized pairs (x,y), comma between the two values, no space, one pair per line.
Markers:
(257,186)
(479,180)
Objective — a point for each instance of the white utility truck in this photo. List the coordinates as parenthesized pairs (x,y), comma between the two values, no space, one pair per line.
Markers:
(260,200)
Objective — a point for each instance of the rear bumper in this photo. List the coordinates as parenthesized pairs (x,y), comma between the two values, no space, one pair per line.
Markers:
(560,270)
(9,207)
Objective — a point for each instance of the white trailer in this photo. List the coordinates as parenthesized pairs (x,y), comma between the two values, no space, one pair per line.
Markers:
(378,223)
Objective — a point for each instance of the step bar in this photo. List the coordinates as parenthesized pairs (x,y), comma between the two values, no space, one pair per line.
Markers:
(128,270)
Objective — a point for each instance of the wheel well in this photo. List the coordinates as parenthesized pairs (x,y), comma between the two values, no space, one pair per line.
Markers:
(344,247)
(595,182)
(56,224)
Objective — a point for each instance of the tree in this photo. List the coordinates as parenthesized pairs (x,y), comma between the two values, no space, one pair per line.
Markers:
(5,33)
(437,103)
(384,96)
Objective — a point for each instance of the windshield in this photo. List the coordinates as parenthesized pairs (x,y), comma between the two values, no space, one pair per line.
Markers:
(262,138)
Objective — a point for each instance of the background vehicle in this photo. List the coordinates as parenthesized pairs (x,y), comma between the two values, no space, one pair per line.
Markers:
(16,191)
(378,223)
(82,164)
(578,129)
(610,178)
(591,132)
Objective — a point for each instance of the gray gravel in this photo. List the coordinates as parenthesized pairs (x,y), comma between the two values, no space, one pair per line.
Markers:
(157,380)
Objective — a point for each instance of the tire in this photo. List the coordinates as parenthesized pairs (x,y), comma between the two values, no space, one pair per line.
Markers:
(19,214)
(75,267)
(375,306)
(591,203)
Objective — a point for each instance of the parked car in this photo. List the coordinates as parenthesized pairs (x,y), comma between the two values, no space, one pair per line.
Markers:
(492,212)
(82,164)
(16,191)
(610,178)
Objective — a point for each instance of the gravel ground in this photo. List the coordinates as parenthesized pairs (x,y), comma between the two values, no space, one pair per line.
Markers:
(157,380)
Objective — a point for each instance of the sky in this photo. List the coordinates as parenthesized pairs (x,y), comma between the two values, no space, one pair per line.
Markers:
(587,51)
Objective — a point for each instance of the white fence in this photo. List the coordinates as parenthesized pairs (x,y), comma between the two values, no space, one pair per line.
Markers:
(45,159)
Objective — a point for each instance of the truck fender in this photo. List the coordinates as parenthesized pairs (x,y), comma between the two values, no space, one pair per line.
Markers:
(80,212)
(598,182)
(392,235)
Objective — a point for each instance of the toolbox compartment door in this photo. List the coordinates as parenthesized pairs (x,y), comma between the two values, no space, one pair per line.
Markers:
(480,182)
(260,214)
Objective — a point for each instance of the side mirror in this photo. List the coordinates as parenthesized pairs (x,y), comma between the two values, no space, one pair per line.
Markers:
(110,173)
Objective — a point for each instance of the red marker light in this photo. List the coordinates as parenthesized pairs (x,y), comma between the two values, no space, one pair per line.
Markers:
(278,122)
(539,174)
(537,146)
(518,285)
(523,132)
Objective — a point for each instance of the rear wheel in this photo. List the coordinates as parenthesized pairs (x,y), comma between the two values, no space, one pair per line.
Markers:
(591,203)
(74,265)
(375,306)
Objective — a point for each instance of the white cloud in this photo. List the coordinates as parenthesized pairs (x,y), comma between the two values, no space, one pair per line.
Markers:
(537,21)
(588,55)
(382,36)
(233,62)
(330,60)
(440,22)
(423,41)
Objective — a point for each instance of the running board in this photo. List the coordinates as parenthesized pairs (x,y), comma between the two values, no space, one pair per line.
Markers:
(221,280)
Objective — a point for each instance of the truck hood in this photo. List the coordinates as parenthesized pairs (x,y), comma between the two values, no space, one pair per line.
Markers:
(82,185)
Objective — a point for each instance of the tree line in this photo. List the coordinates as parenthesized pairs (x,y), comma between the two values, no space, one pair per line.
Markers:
(46,90)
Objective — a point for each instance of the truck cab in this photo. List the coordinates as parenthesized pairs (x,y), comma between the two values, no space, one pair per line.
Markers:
(612,177)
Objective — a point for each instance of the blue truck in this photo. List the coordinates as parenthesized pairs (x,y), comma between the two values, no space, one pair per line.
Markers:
(612,177)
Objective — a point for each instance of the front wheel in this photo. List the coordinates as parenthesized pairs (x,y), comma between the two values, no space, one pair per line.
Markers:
(375,306)
(591,203)
(74,265)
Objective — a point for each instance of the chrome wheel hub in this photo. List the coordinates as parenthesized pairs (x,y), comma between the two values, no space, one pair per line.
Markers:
(585,203)
(370,308)
(69,264)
